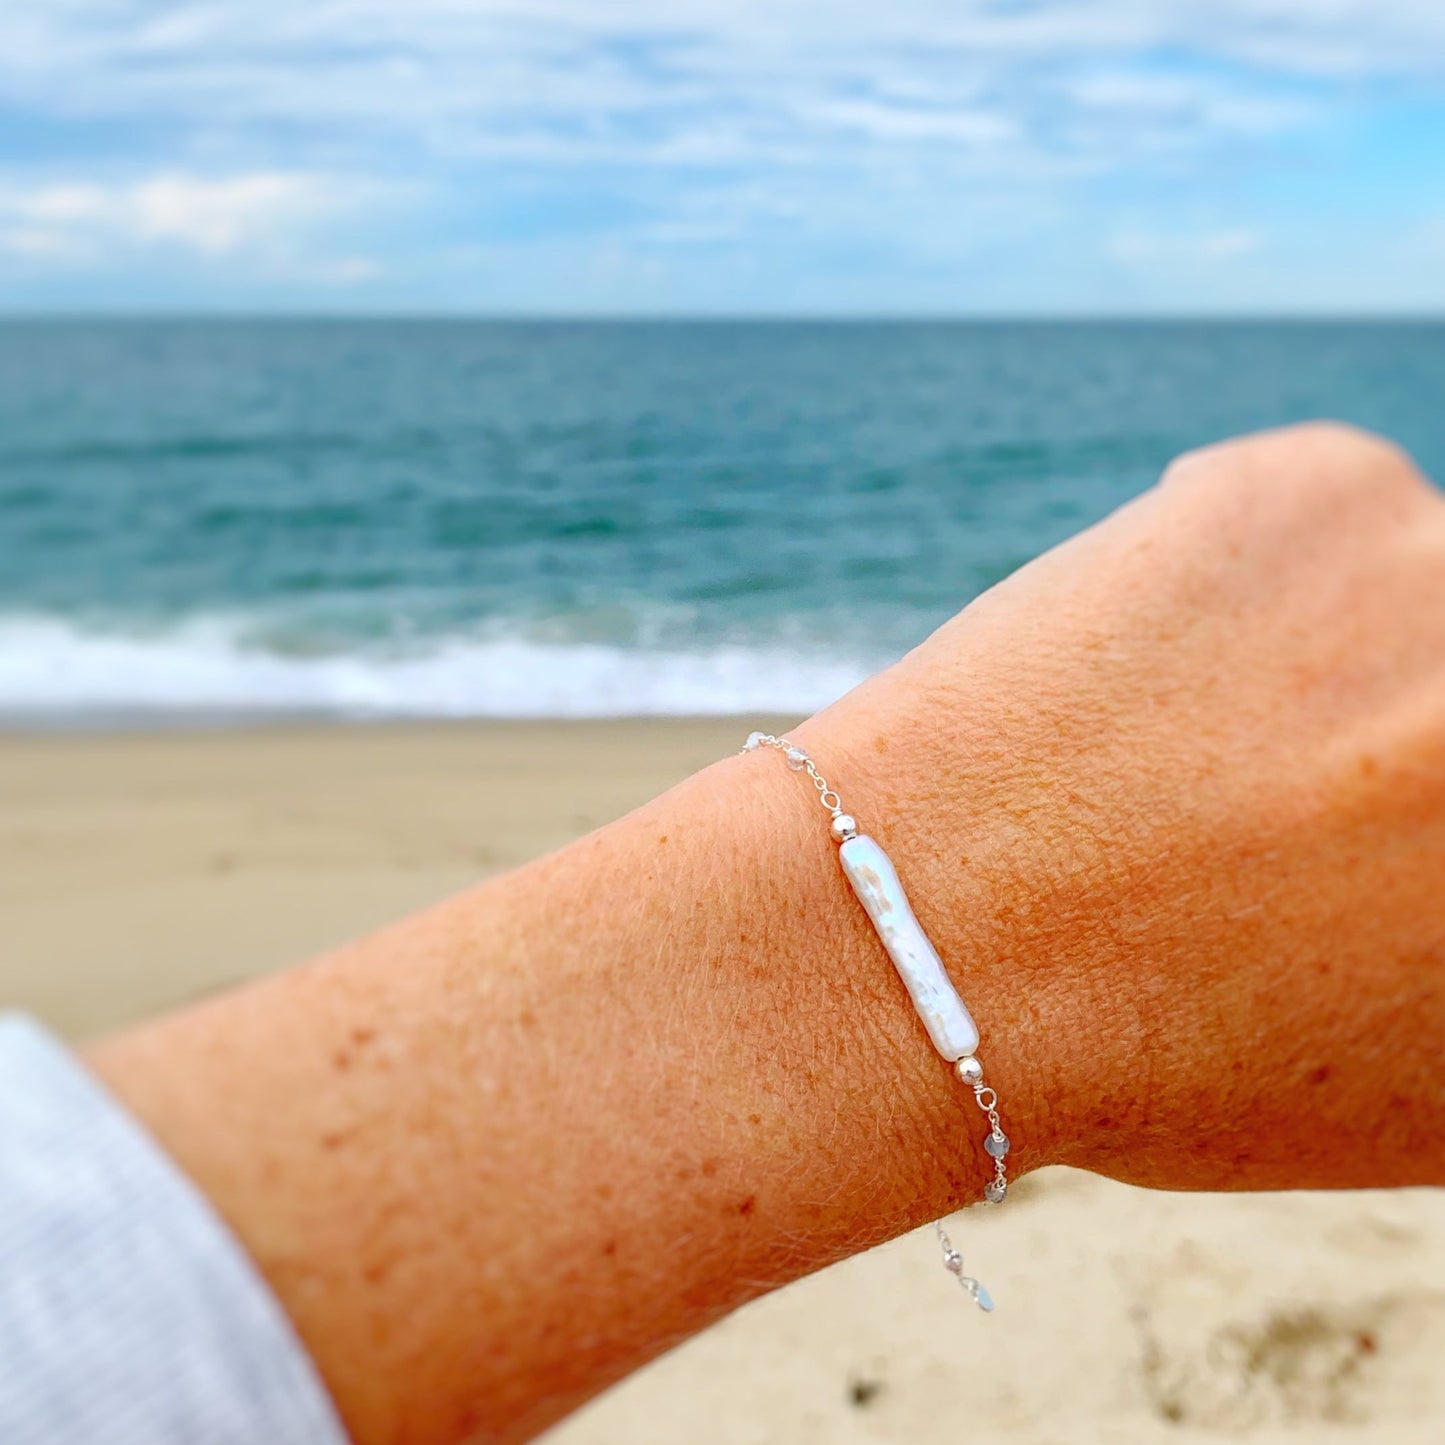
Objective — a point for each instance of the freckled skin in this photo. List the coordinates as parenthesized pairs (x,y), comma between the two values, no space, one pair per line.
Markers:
(1171,804)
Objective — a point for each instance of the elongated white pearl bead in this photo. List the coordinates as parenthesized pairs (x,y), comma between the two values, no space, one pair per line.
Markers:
(875,881)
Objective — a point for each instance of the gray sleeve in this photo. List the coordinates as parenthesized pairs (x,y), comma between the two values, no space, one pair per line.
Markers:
(128,1312)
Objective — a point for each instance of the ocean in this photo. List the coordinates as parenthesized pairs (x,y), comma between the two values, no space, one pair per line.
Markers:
(367,519)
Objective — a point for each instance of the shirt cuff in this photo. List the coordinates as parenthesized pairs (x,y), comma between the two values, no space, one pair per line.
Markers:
(129,1313)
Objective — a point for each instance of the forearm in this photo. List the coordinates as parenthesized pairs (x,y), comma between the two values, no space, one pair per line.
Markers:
(505,1152)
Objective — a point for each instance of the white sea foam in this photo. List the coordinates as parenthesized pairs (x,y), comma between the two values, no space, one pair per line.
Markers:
(54,671)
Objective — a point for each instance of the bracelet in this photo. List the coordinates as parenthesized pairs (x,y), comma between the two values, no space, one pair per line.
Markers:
(949,1024)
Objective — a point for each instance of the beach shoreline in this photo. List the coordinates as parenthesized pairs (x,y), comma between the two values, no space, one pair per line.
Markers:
(140,870)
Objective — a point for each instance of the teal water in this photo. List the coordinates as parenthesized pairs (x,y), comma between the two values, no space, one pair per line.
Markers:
(534,519)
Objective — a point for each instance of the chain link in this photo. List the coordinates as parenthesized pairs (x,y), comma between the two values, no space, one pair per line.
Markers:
(995,1192)
(953,1263)
(805,764)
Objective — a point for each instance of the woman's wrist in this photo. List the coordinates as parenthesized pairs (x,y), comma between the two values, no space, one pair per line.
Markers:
(813,1013)
(936,779)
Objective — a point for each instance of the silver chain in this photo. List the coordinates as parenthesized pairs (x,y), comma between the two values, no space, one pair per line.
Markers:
(953,1263)
(968,1070)
(799,761)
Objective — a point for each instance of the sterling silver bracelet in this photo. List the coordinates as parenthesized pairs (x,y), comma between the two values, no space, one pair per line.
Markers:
(950,1025)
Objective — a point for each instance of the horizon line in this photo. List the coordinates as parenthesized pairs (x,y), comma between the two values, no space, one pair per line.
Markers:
(643,318)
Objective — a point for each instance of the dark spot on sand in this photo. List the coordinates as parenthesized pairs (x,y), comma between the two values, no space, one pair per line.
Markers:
(863,1392)
(1321,1075)
(748,1205)
(1303,1364)
(755,1118)
(662,838)
(880,743)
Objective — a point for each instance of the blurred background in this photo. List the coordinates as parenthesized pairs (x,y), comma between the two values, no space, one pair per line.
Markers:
(548,385)
(576,359)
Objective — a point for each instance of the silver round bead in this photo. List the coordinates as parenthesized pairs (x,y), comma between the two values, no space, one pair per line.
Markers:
(969,1070)
(843,827)
(953,1262)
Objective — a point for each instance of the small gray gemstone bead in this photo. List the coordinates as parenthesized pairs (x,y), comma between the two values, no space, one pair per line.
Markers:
(994,1192)
(796,758)
(996,1145)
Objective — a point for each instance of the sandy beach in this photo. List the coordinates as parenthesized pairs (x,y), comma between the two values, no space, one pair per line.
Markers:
(138,871)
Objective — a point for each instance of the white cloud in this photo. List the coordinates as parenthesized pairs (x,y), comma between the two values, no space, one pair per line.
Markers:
(261,215)
(215,216)
(882,121)
(943,143)
(41,242)
(1221,245)
(1173,247)
(649,80)
(1205,105)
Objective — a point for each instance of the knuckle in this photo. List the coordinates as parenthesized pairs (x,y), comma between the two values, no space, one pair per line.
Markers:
(1348,456)
(1332,458)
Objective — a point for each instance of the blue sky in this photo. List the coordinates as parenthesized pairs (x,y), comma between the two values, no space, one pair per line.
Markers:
(723,156)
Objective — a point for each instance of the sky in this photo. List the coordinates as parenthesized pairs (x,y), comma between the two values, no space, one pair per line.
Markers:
(701,157)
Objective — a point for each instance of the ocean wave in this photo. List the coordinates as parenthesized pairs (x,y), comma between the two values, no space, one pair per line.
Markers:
(53,670)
